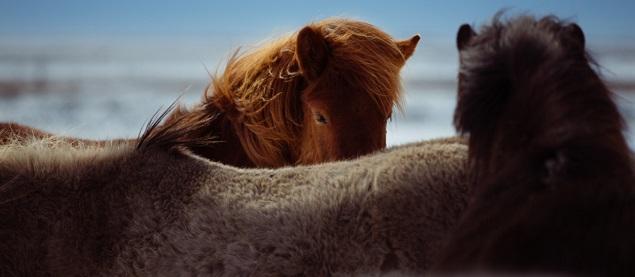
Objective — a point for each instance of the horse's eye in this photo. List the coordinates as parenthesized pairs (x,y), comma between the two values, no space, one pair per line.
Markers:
(320,119)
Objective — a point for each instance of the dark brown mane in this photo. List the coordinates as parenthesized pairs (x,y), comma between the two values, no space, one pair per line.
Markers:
(523,68)
(174,132)
(551,169)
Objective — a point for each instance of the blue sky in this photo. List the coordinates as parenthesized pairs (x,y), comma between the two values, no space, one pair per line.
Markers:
(401,18)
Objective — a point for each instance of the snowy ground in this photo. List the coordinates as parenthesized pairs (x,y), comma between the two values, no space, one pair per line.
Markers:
(100,90)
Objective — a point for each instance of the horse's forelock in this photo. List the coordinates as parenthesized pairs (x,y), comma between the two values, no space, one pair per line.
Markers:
(368,57)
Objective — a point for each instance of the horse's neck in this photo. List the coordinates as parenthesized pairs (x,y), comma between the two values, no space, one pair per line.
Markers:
(226,147)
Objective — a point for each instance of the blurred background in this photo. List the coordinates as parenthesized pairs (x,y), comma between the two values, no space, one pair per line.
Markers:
(100,69)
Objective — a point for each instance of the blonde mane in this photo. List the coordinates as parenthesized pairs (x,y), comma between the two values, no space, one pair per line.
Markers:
(54,158)
(260,89)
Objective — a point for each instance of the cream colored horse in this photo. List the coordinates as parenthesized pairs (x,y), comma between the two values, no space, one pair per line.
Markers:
(157,210)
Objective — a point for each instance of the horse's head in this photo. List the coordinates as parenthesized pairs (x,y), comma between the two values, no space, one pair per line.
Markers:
(511,71)
(546,154)
(322,94)
(351,73)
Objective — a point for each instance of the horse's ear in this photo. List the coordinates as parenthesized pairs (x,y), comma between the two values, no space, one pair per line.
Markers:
(575,32)
(464,36)
(407,47)
(312,53)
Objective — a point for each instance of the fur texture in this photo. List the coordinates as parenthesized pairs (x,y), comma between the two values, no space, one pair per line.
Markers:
(155,210)
(551,170)
(11,133)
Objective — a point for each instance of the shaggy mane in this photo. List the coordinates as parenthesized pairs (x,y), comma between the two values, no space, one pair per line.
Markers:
(175,130)
(533,59)
(260,89)
(553,184)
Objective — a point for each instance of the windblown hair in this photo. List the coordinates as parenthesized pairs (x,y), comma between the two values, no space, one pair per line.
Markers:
(260,89)
(168,129)
(552,176)
(10,131)
(41,157)
(257,108)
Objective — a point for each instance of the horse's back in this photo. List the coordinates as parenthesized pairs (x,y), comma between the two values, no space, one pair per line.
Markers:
(380,212)
(10,132)
(155,212)
(61,207)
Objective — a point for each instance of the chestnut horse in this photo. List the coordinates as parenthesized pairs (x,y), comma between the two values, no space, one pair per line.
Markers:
(550,169)
(324,93)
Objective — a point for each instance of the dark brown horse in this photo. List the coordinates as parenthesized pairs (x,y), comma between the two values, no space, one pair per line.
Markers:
(324,93)
(553,182)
